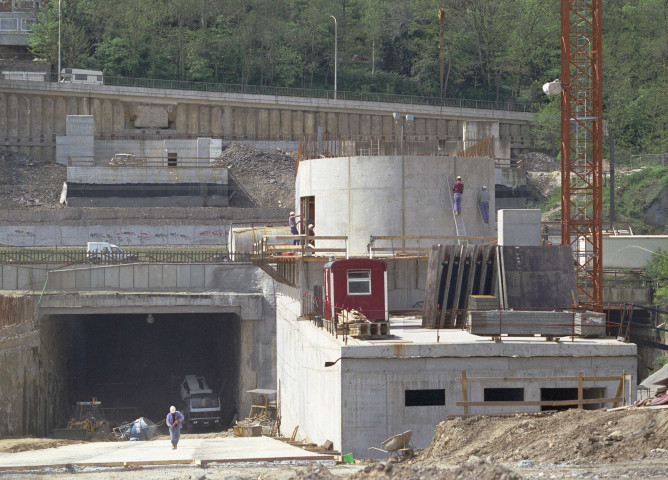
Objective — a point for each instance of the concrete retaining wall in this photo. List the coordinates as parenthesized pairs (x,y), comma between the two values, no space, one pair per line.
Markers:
(41,235)
(310,393)
(31,115)
(631,251)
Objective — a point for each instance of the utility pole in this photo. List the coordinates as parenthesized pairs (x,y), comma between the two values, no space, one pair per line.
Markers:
(59,21)
(336,49)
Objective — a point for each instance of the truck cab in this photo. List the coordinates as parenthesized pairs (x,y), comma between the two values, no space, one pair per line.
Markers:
(202,405)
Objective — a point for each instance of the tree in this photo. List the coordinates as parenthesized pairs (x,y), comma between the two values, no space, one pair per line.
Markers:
(74,41)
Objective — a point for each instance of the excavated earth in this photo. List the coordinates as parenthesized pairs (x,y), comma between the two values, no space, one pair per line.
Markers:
(580,444)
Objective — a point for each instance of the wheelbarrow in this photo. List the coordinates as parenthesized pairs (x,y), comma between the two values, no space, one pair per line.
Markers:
(398,446)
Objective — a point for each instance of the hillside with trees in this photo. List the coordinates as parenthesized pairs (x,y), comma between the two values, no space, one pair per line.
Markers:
(492,49)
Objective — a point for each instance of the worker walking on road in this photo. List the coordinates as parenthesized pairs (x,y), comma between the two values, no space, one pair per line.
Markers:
(457,192)
(483,202)
(174,422)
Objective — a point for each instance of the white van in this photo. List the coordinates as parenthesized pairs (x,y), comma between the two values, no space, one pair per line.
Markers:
(105,252)
(78,75)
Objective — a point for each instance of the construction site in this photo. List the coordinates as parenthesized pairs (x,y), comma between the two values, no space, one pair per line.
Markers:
(298,279)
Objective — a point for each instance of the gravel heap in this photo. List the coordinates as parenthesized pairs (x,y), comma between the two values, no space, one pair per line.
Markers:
(539,162)
(267,179)
(28,182)
(582,435)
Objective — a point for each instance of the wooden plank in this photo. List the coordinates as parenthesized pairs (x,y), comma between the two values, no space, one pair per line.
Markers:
(555,403)
(430,307)
(444,282)
(465,393)
(543,379)
(435,237)
(446,303)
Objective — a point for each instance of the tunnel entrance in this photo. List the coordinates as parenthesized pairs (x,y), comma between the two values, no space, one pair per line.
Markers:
(134,363)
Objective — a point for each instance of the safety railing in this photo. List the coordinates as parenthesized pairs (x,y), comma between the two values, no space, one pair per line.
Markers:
(418,245)
(301,245)
(76,255)
(120,161)
(325,146)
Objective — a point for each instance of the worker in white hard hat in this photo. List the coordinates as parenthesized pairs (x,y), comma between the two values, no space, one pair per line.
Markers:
(483,203)
(174,421)
(292,223)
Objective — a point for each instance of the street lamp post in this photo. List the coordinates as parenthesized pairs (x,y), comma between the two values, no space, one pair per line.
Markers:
(58,41)
(336,40)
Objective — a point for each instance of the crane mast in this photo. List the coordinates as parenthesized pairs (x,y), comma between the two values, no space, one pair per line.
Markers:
(581,145)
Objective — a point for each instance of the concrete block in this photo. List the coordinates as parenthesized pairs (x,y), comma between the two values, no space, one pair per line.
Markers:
(519,228)
(169,276)
(141,275)
(9,277)
(155,276)
(97,280)
(183,276)
(68,280)
(197,280)
(82,279)
(80,125)
(112,277)
(126,277)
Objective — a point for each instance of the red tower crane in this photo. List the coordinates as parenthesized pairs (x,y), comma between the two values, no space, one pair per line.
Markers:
(581,145)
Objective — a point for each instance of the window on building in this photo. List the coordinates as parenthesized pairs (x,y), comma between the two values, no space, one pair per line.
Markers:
(504,395)
(359,282)
(424,398)
(9,24)
(556,394)
(172,159)
(26,23)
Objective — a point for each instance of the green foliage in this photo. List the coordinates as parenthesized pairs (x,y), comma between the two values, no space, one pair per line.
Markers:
(492,50)
(546,128)
(657,270)
(634,194)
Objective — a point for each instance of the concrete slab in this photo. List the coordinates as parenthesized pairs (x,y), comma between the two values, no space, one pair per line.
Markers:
(191,451)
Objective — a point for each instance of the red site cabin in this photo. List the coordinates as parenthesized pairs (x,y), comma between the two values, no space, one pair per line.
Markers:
(356,284)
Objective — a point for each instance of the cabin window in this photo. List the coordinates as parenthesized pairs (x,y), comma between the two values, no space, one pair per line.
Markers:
(424,398)
(359,282)
(504,395)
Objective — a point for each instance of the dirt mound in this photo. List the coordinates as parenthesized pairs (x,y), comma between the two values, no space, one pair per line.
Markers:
(474,469)
(265,179)
(569,436)
(28,182)
(14,445)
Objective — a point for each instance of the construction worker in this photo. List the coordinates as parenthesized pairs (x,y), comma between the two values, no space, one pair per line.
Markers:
(458,191)
(174,421)
(292,223)
(483,202)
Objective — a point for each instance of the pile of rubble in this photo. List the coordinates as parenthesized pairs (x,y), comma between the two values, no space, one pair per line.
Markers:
(267,178)
(28,182)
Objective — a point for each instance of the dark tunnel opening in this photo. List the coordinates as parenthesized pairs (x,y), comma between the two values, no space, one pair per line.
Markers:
(134,363)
